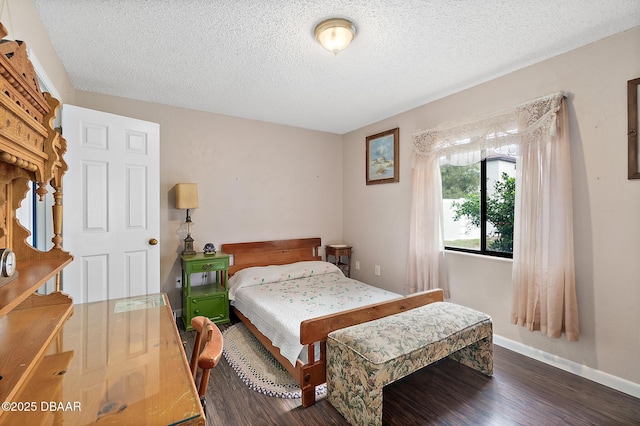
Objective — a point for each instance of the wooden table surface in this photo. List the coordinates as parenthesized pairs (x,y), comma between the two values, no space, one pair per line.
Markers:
(113,362)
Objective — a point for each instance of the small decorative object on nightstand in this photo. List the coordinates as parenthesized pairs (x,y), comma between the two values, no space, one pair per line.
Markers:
(341,256)
(209,249)
(211,299)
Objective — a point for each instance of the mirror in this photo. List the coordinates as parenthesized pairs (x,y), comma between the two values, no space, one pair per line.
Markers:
(633,94)
(36,217)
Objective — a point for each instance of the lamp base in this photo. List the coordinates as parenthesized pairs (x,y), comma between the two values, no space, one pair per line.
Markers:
(188,245)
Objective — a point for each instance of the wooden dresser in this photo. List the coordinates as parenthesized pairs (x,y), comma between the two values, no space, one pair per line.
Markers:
(30,151)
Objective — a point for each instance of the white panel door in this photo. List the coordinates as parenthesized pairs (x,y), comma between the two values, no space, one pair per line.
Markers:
(111,205)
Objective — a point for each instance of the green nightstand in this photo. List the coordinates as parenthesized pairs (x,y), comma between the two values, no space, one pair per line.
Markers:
(210,299)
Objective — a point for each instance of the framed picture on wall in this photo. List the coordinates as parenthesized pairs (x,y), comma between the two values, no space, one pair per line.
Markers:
(383,157)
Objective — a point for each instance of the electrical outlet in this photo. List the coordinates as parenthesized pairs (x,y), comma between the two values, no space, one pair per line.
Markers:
(178,282)
(357,264)
(376,270)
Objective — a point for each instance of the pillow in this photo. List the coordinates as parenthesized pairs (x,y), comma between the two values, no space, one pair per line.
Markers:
(258,275)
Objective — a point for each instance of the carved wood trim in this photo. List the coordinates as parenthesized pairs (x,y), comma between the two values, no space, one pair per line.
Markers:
(30,148)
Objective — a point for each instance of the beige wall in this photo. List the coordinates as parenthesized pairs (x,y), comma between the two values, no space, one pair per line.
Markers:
(256,181)
(606,204)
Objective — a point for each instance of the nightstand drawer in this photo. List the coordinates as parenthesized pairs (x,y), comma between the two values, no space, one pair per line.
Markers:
(215,307)
(207,265)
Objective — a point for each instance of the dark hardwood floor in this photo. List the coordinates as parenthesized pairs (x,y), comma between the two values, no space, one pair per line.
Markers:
(522,392)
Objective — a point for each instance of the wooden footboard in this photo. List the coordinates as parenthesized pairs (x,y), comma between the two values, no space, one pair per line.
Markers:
(315,331)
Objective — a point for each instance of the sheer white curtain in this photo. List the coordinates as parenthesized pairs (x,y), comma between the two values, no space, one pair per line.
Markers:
(426,270)
(536,134)
(543,266)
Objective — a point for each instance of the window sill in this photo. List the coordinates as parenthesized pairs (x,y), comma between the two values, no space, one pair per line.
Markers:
(478,255)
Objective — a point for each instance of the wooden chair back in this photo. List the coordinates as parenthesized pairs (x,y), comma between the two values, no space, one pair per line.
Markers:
(207,351)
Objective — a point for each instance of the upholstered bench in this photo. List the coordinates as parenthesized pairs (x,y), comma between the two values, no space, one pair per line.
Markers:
(362,359)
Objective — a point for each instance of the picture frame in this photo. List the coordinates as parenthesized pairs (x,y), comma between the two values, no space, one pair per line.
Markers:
(633,114)
(383,157)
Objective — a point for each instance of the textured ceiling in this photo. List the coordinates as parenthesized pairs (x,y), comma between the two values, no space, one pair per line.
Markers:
(259,59)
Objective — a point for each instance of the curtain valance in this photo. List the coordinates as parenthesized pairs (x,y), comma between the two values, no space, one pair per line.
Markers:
(504,132)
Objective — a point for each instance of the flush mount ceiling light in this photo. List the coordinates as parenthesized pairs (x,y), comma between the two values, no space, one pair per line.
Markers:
(335,34)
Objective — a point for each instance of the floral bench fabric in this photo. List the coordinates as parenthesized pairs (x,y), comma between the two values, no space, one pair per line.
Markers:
(362,359)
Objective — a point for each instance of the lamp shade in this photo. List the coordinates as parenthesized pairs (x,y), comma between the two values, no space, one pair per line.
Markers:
(186,196)
(335,34)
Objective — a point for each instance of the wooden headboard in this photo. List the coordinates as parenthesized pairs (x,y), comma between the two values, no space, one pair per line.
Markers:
(264,253)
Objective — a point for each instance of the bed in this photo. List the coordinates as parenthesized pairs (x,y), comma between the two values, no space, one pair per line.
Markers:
(259,289)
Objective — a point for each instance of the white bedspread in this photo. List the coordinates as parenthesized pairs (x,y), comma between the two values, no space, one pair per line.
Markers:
(276,299)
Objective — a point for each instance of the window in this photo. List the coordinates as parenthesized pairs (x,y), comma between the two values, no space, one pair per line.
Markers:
(478,206)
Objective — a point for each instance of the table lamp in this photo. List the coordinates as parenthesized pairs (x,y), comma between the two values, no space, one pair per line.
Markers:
(187,198)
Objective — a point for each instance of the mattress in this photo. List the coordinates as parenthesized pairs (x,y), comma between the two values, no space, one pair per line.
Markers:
(276,299)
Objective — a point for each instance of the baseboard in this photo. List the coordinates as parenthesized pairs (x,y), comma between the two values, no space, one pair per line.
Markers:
(597,376)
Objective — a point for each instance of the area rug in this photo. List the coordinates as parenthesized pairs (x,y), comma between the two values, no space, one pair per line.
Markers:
(257,368)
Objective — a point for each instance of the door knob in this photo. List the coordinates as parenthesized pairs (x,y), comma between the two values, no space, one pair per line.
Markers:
(153,241)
